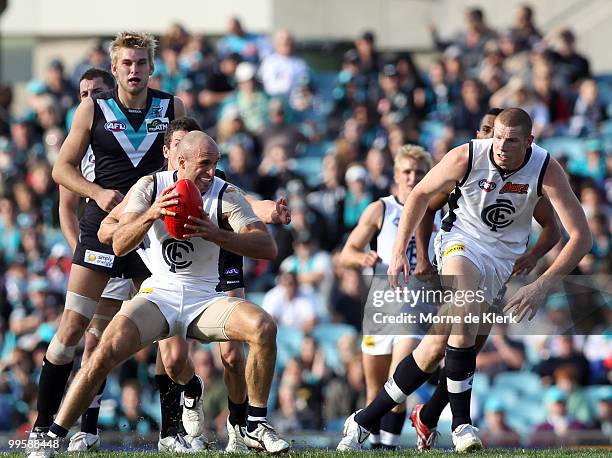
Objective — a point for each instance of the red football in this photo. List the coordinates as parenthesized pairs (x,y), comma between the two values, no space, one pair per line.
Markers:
(189,203)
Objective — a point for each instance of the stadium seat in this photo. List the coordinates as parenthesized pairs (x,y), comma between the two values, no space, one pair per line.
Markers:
(595,393)
(288,343)
(331,332)
(571,147)
(481,384)
(525,383)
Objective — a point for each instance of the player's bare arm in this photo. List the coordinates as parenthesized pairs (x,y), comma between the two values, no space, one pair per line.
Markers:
(248,235)
(108,226)
(269,211)
(548,238)
(556,187)
(139,215)
(445,174)
(65,170)
(352,254)
(69,224)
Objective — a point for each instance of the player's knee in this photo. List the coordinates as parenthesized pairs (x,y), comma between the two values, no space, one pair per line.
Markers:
(174,364)
(266,330)
(91,341)
(59,352)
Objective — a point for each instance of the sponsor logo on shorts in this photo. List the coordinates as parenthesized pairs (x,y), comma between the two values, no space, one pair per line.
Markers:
(514,188)
(99,259)
(232,271)
(454,248)
(115,126)
(155,125)
(145,291)
(486,185)
(369,341)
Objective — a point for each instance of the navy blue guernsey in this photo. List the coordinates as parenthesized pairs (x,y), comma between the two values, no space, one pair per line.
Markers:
(127,143)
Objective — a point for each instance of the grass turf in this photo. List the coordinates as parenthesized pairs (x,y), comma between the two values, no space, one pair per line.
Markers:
(581,452)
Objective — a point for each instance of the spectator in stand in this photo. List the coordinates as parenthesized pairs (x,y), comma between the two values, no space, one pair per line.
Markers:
(379,173)
(251,102)
(603,417)
(313,267)
(471,43)
(568,62)
(588,112)
(552,98)
(252,47)
(525,28)
(59,87)
(281,72)
(368,58)
(358,197)
(129,415)
(496,433)
(348,299)
(176,37)
(279,131)
(469,111)
(241,171)
(439,94)
(290,304)
(566,379)
(559,425)
(275,172)
(394,106)
(219,85)
(97,57)
(567,354)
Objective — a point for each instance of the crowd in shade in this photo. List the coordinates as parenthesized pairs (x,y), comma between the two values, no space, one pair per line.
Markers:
(325,141)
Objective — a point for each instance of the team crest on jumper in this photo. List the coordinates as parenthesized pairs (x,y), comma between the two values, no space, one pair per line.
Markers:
(176,253)
(498,215)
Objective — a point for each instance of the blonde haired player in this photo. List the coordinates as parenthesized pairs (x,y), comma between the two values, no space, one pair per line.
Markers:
(378,228)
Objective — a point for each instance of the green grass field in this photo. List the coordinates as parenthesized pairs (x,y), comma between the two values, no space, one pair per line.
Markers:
(586,452)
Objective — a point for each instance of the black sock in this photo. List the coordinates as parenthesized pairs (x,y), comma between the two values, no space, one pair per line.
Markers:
(51,387)
(255,415)
(460,367)
(237,412)
(170,400)
(89,420)
(391,426)
(430,414)
(193,388)
(56,430)
(406,378)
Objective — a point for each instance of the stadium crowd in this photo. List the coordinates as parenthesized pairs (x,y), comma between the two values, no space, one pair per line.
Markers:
(326,141)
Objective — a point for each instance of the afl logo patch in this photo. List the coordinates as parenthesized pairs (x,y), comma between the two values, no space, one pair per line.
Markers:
(175,253)
(231,271)
(115,126)
(486,185)
(498,215)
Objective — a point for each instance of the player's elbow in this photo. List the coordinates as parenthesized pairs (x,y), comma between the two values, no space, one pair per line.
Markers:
(269,249)
(119,248)
(585,242)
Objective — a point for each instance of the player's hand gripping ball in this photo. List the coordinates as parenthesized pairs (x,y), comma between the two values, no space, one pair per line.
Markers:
(189,203)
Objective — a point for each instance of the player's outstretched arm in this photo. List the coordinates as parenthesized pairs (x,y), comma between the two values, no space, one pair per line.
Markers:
(557,188)
(69,224)
(248,237)
(548,238)
(352,254)
(139,215)
(269,211)
(451,169)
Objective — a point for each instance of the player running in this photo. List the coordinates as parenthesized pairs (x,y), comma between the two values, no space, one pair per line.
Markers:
(498,183)
(378,228)
(425,417)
